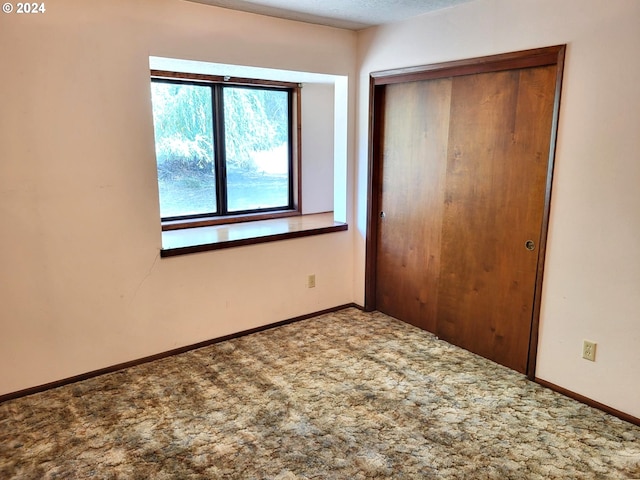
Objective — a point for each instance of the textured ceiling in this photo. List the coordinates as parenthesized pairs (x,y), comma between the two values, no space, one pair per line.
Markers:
(349,14)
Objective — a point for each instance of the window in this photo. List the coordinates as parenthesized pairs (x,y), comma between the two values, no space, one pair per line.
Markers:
(225,148)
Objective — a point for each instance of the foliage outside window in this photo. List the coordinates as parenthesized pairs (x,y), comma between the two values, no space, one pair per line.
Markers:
(222,148)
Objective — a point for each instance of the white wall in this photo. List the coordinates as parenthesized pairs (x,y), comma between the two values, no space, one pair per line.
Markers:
(592,276)
(81,283)
(317,147)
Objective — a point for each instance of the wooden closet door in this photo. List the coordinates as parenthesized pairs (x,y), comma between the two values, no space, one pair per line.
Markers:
(463,182)
(499,136)
(415,133)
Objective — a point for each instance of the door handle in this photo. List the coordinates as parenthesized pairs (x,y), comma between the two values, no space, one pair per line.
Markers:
(382,214)
(530,245)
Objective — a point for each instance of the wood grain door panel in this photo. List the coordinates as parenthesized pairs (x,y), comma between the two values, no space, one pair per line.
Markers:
(416,119)
(494,201)
(464,166)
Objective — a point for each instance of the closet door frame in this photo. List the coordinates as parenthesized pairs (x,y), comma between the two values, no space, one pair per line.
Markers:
(508,61)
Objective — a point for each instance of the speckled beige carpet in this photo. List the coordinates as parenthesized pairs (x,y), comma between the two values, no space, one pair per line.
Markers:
(348,395)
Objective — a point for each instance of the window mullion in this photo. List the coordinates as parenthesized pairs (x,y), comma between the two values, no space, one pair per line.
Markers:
(220,163)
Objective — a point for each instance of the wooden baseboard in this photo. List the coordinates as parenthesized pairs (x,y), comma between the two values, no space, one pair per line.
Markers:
(588,401)
(159,356)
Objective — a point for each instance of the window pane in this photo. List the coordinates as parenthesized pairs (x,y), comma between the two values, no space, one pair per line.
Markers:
(182,118)
(257,148)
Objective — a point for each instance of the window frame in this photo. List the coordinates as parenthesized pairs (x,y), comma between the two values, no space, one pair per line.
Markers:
(222,216)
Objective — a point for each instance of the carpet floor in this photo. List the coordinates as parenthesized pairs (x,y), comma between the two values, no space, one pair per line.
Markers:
(347,395)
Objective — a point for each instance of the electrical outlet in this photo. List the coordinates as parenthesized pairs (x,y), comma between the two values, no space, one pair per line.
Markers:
(589,350)
(311,281)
